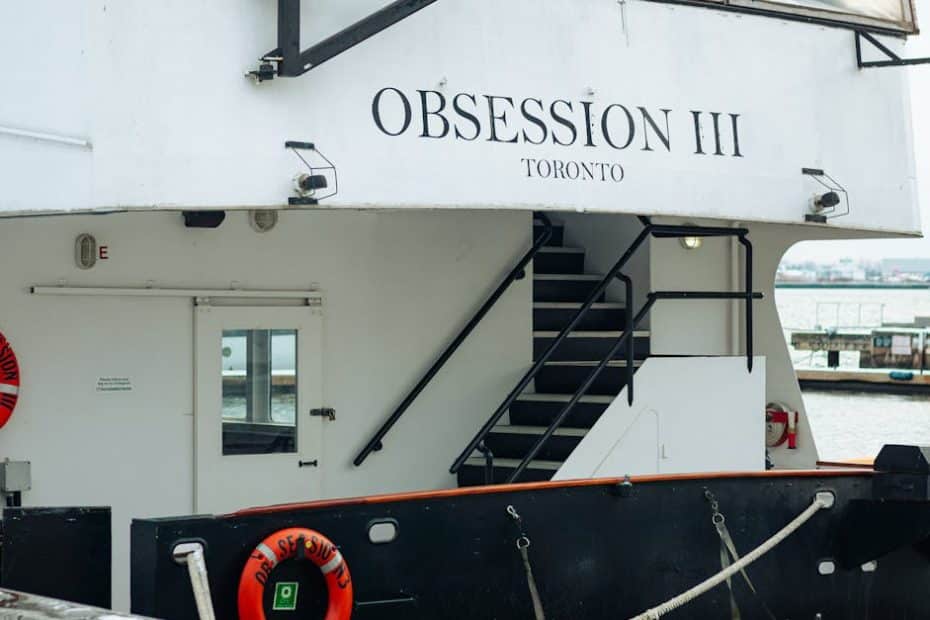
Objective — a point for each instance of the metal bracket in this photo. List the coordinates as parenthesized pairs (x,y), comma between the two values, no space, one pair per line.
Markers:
(316,178)
(329,414)
(826,212)
(894,59)
(287,60)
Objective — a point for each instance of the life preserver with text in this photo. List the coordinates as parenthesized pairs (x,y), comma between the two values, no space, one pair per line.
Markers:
(9,381)
(290,543)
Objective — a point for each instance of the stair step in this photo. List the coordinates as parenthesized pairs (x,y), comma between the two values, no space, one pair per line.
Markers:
(556,260)
(558,233)
(588,345)
(565,287)
(567,377)
(515,442)
(541,409)
(556,315)
(472,472)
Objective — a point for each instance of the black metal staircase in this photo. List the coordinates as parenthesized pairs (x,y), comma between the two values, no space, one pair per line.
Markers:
(560,286)
(548,445)
(585,352)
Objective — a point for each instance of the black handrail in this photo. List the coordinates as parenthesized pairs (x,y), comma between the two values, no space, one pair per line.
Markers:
(649,229)
(374,444)
(626,337)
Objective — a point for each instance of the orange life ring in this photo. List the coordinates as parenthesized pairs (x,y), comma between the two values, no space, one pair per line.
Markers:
(9,381)
(290,543)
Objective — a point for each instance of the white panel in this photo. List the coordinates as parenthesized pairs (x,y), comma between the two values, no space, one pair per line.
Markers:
(397,287)
(678,423)
(47,88)
(693,327)
(174,123)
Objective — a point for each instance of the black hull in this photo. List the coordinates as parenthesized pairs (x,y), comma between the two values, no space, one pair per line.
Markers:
(599,550)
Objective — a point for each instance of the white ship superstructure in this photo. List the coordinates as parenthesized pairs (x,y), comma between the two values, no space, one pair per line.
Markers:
(219,287)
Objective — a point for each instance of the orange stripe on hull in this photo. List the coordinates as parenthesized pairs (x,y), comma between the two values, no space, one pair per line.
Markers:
(562,484)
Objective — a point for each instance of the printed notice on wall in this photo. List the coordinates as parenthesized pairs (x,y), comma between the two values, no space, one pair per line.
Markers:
(114,384)
(900,345)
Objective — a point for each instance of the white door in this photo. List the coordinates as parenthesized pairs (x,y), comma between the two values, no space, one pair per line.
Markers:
(258,376)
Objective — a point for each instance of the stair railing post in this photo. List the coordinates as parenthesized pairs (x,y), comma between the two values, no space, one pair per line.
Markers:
(488,463)
(631,342)
(747,245)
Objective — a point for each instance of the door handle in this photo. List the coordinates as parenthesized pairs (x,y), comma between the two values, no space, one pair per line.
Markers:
(329,414)
(313,463)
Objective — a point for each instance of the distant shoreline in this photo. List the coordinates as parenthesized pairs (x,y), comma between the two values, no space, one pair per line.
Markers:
(855,285)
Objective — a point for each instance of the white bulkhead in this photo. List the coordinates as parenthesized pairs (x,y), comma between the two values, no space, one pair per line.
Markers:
(463,104)
(447,131)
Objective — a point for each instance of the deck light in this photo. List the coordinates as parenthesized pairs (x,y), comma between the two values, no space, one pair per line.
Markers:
(307,184)
(823,206)
(691,243)
(263,220)
(827,201)
(85,251)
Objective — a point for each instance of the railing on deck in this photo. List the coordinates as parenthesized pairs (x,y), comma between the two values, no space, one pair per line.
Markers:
(627,337)
(517,273)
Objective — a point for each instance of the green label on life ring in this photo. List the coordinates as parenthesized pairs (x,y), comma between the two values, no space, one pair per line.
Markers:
(285,596)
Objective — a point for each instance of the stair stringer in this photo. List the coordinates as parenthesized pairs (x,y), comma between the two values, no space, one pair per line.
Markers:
(690,414)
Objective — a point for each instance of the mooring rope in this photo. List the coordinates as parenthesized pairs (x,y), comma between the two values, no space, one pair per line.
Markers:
(197,571)
(822,500)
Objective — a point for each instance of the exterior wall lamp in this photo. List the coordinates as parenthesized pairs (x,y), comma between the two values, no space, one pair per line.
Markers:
(691,243)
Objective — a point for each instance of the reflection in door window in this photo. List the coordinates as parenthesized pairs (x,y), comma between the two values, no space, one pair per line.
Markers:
(259,391)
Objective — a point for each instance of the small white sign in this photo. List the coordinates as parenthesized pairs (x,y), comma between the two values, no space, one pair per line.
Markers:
(114,384)
(901,345)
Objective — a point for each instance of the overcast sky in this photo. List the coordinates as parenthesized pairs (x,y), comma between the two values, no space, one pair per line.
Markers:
(920,103)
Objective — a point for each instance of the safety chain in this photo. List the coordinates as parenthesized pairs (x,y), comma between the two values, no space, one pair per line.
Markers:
(716,516)
(729,553)
(523,546)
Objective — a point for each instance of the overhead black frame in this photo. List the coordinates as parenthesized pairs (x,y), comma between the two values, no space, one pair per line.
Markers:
(794,17)
(893,59)
(288,60)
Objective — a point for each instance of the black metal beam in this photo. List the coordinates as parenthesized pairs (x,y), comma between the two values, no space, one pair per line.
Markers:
(288,33)
(292,62)
(895,60)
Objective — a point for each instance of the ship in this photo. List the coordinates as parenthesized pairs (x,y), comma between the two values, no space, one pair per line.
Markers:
(440,308)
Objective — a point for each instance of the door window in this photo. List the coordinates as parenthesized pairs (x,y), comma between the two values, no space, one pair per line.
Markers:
(259,405)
